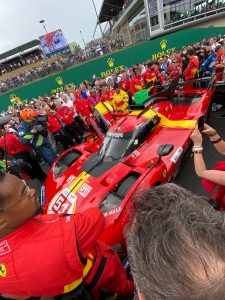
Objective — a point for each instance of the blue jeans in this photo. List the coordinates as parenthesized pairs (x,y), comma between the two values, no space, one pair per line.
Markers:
(47,153)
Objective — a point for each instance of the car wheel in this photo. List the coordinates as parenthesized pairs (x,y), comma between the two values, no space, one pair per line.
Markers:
(126,185)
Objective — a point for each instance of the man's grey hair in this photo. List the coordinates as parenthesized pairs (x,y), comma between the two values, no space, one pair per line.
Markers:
(176,245)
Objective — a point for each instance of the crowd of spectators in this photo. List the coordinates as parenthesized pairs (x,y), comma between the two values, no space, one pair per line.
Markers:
(66,116)
(6,67)
(178,14)
(63,62)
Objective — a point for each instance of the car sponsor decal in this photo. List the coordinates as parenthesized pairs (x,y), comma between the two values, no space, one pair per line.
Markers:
(164,173)
(114,134)
(112,212)
(177,155)
(135,154)
(4,247)
(70,179)
(84,190)
(65,200)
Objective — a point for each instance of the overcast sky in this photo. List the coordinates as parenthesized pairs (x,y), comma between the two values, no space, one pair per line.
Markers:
(19,20)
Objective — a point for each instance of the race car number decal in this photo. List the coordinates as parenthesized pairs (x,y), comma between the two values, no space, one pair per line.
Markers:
(65,202)
(177,155)
(84,190)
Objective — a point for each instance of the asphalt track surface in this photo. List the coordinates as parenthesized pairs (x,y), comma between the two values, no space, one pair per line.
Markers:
(187,177)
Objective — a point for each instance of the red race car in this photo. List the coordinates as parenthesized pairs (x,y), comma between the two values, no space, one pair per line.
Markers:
(137,151)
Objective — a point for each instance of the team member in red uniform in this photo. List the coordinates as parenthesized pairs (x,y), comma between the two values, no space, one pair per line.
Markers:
(66,116)
(82,106)
(219,63)
(125,83)
(52,254)
(137,82)
(19,150)
(152,75)
(107,95)
(192,68)
(55,127)
(174,69)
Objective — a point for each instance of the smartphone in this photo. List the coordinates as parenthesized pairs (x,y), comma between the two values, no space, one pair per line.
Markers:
(201,122)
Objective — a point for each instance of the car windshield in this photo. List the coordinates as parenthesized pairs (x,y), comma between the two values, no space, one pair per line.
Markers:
(118,145)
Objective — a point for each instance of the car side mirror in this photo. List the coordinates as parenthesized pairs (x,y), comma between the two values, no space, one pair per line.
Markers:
(165,149)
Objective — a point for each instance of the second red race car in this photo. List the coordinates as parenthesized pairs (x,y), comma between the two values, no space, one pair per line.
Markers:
(137,151)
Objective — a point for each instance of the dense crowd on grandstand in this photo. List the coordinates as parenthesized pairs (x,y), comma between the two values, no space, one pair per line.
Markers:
(45,67)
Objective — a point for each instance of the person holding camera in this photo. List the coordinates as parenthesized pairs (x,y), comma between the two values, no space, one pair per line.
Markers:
(18,150)
(33,132)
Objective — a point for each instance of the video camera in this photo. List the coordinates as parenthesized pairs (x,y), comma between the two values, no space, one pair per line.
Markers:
(39,123)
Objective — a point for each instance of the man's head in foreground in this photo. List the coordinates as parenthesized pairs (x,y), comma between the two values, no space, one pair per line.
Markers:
(176,246)
(18,203)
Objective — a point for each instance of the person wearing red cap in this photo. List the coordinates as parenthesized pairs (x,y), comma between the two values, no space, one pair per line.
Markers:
(82,106)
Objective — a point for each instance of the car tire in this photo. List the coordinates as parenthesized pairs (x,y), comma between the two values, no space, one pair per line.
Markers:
(126,185)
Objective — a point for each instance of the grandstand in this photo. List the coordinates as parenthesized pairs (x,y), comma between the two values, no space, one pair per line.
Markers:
(138,20)
(20,56)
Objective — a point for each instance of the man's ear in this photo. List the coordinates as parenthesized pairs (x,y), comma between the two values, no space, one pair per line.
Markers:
(140,297)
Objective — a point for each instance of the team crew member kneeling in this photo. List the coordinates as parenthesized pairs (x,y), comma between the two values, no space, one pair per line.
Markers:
(52,254)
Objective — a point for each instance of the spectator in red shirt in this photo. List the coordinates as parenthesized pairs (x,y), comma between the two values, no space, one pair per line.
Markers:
(66,114)
(174,69)
(125,83)
(192,68)
(55,127)
(107,95)
(82,106)
(137,82)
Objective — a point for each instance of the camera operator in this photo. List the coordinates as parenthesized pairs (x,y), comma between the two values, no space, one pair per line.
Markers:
(18,150)
(33,132)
